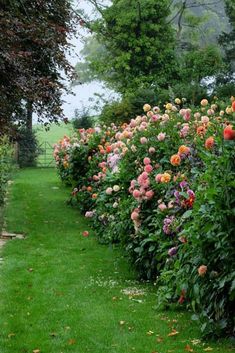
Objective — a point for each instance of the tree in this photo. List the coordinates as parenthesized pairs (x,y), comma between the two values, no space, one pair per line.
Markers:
(137,44)
(227,39)
(34,38)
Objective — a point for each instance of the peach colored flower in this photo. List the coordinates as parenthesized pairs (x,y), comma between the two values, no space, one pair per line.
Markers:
(165,178)
(175,160)
(201,130)
(209,143)
(202,270)
(184,150)
(204,102)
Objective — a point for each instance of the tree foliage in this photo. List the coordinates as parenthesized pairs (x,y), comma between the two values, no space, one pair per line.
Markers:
(34,38)
(137,45)
(227,39)
(131,48)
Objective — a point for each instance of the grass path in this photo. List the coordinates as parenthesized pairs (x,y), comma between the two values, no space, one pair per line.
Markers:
(61,292)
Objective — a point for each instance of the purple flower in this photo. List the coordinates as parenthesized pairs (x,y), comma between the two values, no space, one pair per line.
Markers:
(183,184)
(167,224)
(172,251)
(191,193)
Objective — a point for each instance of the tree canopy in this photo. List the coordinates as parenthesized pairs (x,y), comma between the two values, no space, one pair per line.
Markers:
(153,44)
(137,44)
(34,39)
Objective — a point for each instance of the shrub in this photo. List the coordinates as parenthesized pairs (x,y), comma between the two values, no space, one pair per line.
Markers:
(82,120)
(28,148)
(116,112)
(5,165)
(156,185)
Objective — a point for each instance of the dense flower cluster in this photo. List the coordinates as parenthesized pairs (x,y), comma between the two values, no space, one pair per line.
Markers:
(145,183)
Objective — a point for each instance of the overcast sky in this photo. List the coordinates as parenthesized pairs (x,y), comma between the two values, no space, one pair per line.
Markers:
(83,93)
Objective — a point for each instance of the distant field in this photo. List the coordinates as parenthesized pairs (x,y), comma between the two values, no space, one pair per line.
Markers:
(55,133)
(48,138)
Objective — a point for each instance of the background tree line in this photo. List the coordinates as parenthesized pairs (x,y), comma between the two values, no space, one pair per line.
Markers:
(153,51)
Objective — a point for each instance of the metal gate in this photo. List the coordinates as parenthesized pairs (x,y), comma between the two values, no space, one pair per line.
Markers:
(45,155)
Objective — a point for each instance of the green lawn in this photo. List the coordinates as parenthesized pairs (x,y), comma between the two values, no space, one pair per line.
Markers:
(61,292)
(47,139)
(55,133)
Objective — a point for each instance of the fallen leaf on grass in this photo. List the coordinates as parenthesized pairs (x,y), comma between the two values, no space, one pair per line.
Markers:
(30,269)
(11,335)
(159,339)
(36,351)
(173,333)
(188,348)
(71,342)
(208,349)
(150,333)
(196,342)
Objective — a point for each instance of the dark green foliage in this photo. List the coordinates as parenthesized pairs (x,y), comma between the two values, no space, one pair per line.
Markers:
(129,107)
(34,38)
(116,112)
(225,90)
(227,39)
(82,120)
(27,148)
(6,160)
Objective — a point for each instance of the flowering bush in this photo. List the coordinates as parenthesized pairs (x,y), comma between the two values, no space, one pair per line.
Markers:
(163,186)
(5,165)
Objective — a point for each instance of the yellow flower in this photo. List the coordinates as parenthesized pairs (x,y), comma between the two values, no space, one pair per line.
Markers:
(229,110)
(177,101)
(147,108)
(165,178)
(168,106)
